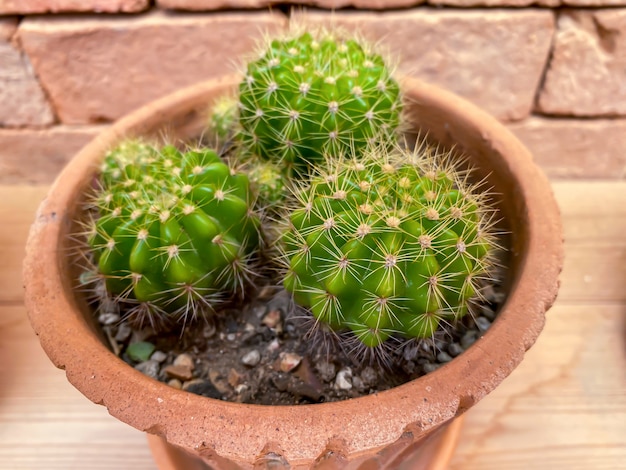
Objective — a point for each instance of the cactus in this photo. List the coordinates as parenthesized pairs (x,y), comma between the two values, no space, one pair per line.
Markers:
(223,118)
(268,183)
(393,243)
(308,97)
(174,231)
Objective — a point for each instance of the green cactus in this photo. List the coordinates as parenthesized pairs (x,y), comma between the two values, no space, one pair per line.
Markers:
(312,96)
(388,244)
(174,231)
(223,118)
(268,183)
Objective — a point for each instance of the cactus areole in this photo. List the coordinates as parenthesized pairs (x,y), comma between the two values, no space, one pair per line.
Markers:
(309,97)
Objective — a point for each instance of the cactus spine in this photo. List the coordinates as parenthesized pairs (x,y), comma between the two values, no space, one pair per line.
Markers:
(388,244)
(313,96)
(174,231)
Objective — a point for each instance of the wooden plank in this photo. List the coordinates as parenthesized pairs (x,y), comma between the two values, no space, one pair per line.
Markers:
(593,274)
(45,423)
(564,406)
(593,212)
(17,212)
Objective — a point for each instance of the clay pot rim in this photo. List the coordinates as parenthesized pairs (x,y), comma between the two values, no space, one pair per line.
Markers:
(211,426)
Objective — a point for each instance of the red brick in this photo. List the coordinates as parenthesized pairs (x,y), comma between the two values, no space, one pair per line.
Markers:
(22,101)
(576,148)
(495,3)
(594,3)
(495,58)
(8,26)
(112,65)
(26,7)
(36,156)
(206,5)
(587,73)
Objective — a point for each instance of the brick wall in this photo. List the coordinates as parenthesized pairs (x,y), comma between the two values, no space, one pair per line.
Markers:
(554,71)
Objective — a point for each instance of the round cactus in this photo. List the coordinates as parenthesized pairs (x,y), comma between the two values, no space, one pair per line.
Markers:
(173,231)
(391,244)
(309,97)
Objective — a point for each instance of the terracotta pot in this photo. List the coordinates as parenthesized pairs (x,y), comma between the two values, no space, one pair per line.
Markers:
(369,432)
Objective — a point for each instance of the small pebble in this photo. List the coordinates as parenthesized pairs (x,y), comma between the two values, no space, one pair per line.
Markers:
(184,360)
(149,368)
(327,371)
(272,319)
(499,297)
(107,304)
(159,356)
(305,373)
(494,294)
(410,353)
(280,381)
(488,313)
(273,346)
(202,387)
(444,357)
(483,324)
(251,358)
(234,378)
(123,332)
(231,337)
(288,361)
(468,339)
(430,367)
(455,349)
(219,382)
(175,383)
(108,318)
(301,389)
(178,372)
(343,381)
(241,388)
(369,376)
(358,384)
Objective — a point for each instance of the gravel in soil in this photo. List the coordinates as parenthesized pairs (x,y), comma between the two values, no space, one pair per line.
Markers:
(266,353)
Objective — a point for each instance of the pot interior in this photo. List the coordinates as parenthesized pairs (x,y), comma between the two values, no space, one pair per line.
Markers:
(183,121)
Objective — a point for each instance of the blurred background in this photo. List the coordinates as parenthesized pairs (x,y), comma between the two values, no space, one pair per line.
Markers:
(553,70)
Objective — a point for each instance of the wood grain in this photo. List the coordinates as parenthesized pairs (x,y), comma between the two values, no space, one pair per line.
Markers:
(563,408)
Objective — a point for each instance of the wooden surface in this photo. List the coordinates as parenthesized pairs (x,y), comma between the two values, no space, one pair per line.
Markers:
(563,408)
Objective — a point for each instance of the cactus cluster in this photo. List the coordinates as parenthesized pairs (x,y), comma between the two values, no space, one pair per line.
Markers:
(374,238)
(308,97)
(174,230)
(387,244)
